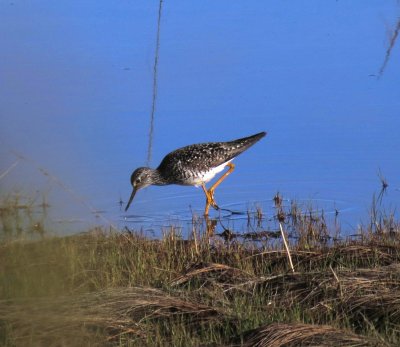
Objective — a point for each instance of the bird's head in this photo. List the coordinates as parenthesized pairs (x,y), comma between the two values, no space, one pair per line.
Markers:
(140,178)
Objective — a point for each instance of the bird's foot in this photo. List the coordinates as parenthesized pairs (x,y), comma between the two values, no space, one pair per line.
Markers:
(214,205)
(212,201)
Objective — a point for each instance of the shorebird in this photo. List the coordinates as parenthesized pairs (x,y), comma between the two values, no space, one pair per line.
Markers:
(194,165)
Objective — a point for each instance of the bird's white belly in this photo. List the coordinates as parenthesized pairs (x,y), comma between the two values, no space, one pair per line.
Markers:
(206,176)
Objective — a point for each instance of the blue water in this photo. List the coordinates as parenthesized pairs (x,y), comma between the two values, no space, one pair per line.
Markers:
(76,92)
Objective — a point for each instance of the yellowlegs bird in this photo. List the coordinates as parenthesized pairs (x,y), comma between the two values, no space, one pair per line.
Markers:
(194,165)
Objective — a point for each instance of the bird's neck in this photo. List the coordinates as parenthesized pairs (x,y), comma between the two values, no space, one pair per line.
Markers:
(157,179)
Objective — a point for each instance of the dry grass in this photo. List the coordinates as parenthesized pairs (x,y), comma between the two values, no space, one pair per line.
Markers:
(127,290)
(116,312)
(291,335)
(123,289)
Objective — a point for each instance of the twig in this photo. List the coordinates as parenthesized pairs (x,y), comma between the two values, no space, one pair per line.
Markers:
(5,173)
(389,49)
(286,246)
(337,280)
(155,76)
(61,184)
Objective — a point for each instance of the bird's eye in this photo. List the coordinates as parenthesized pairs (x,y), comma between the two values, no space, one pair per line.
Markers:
(138,180)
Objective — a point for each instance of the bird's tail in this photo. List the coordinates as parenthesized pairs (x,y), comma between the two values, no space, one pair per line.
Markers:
(246,142)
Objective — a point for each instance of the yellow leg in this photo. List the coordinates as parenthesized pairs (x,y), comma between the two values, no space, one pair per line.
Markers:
(216,184)
(210,192)
(208,201)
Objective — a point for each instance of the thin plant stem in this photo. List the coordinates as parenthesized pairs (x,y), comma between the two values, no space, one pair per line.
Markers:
(286,247)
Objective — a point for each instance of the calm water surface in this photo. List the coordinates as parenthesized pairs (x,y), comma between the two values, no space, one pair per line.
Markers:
(76,98)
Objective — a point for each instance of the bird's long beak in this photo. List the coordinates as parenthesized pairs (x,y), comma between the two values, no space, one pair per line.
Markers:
(130,199)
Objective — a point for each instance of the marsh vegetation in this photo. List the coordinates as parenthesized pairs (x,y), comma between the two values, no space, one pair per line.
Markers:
(122,288)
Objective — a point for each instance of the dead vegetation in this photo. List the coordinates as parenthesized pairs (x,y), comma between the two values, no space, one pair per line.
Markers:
(123,289)
(291,335)
(166,294)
